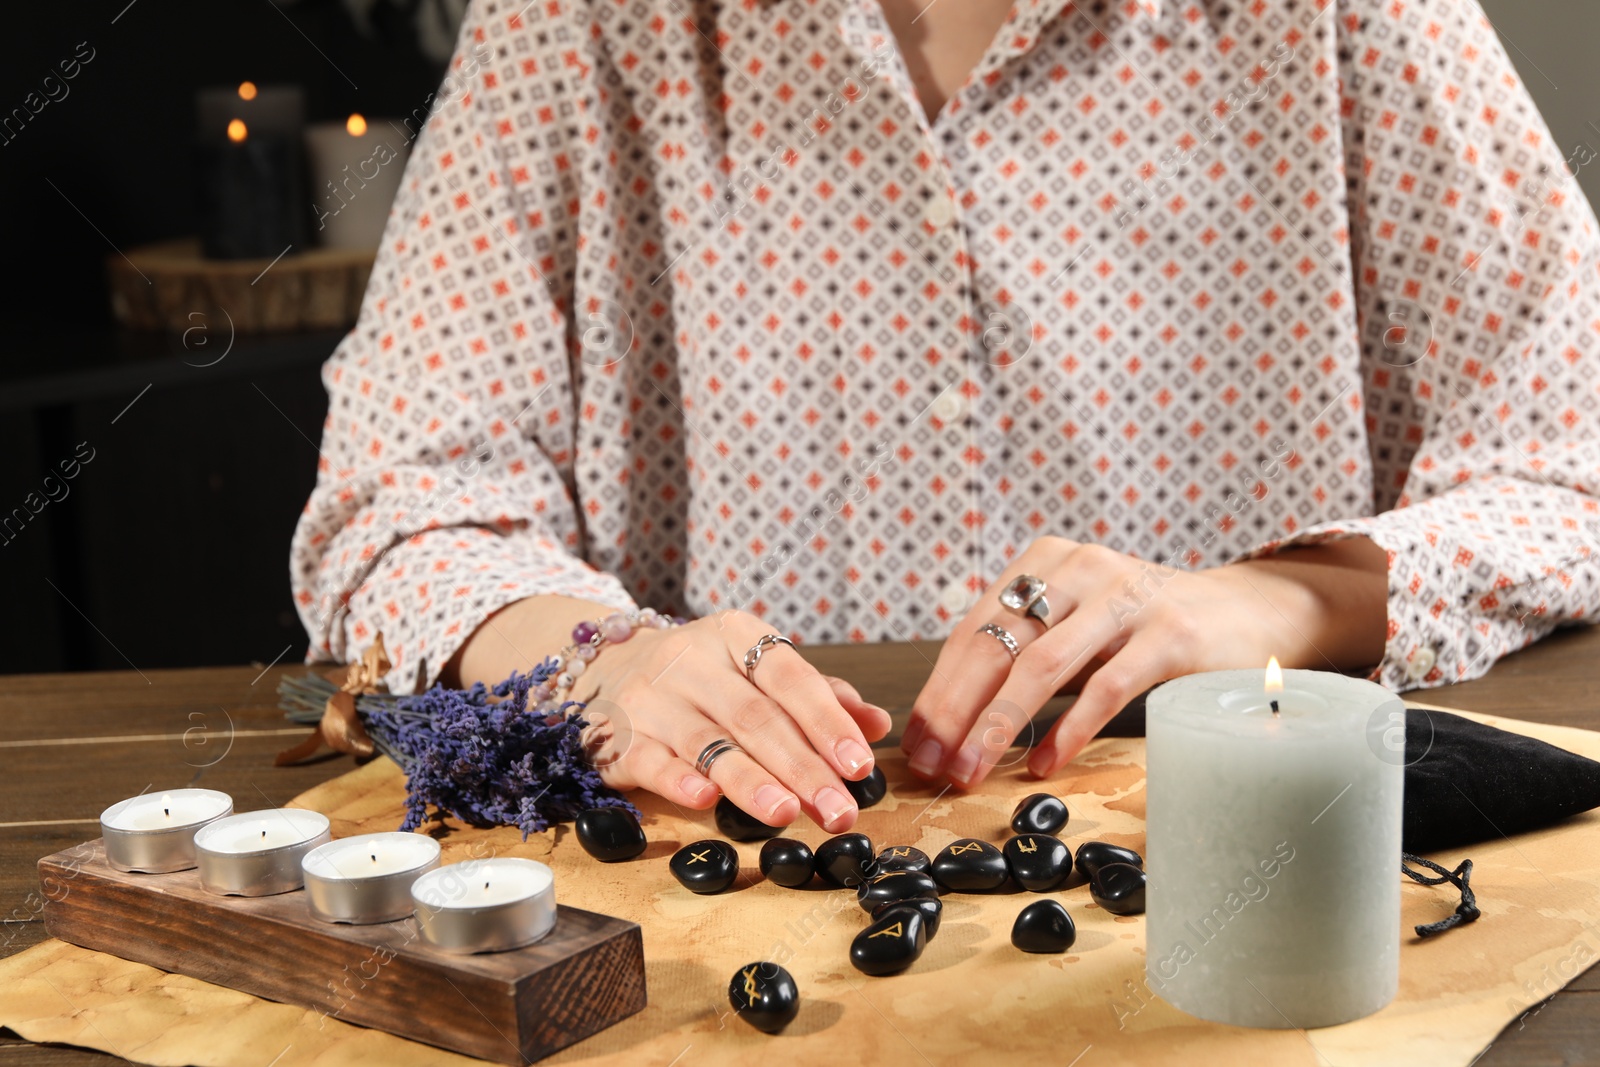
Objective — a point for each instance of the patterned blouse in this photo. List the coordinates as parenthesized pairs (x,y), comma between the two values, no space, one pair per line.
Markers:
(687,303)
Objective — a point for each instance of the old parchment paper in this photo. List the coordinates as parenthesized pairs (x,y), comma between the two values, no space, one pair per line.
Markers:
(971,995)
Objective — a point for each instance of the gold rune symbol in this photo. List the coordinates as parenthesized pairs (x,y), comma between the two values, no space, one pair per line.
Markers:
(699,857)
(899,853)
(1027,846)
(750,984)
(970,846)
(887,931)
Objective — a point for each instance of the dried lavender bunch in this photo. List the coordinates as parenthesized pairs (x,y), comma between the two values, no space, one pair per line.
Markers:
(486,762)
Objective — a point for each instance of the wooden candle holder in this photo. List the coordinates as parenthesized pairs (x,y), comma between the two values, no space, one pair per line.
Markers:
(511,1007)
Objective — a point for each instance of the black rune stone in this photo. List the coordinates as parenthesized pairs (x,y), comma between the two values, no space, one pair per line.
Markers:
(894,885)
(765,996)
(1092,855)
(742,826)
(969,865)
(1039,813)
(705,866)
(1043,926)
(845,860)
(892,943)
(1039,862)
(610,834)
(903,858)
(932,909)
(1119,888)
(869,790)
(787,862)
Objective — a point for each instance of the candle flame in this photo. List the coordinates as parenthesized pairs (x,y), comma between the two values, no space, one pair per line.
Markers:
(166,804)
(356,125)
(247,90)
(237,131)
(1274,683)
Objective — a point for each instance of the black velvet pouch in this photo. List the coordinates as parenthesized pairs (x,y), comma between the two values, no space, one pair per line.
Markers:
(1467,782)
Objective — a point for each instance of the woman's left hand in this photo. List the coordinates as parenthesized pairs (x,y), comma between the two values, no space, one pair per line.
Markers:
(1119,625)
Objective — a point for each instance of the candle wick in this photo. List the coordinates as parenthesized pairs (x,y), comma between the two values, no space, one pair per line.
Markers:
(374,857)
(263,835)
(167,812)
(1274,707)
(486,885)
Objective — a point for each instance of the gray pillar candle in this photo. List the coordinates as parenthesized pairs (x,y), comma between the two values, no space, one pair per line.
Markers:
(154,833)
(1273,844)
(258,853)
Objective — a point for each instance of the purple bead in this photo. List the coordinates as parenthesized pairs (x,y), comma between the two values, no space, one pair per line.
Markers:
(583,633)
(587,653)
(616,628)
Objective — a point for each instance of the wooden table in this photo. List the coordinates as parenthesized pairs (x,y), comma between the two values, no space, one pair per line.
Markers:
(72,743)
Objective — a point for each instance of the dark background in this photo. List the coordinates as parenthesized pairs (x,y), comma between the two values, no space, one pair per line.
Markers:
(171,548)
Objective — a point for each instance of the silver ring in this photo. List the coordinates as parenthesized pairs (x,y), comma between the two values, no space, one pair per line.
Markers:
(753,656)
(711,753)
(1024,595)
(999,634)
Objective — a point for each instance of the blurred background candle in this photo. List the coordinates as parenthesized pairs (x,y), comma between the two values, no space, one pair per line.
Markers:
(367,878)
(249,172)
(355,173)
(1273,847)
(258,853)
(486,905)
(154,833)
(267,109)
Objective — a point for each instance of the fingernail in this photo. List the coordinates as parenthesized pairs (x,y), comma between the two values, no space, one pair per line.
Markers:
(832,805)
(1041,761)
(853,755)
(913,734)
(876,707)
(695,787)
(769,798)
(965,765)
(926,759)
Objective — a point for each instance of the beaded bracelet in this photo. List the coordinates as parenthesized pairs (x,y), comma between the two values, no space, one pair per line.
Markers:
(588,638)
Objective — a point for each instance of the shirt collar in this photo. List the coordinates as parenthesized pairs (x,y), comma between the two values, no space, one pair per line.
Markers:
(866,30)
(1029,18)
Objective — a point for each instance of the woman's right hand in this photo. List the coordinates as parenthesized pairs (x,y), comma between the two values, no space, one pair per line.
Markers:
(656,700)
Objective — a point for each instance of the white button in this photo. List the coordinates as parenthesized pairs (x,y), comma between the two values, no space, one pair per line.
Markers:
(956,598)
(949,406)
(1422,661)
(941,212)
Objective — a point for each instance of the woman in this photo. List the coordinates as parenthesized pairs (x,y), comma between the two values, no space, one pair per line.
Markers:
(1204,332)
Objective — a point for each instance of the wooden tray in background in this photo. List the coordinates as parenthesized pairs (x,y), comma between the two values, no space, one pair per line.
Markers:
(512,1007)
(160,286)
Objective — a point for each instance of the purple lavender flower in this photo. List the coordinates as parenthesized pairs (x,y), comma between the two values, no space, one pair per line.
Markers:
(491,763)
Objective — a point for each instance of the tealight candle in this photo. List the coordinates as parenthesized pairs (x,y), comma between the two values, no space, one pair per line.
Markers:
(1273,842)
(367,878)
(486,905)
(258,853)
(155,833)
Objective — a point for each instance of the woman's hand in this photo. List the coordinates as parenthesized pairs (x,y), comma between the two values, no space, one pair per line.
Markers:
(1119,625)
(656,700)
